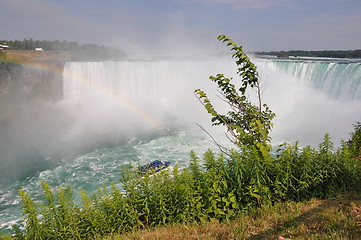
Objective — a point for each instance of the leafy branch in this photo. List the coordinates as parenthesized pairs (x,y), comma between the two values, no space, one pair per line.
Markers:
(248,125)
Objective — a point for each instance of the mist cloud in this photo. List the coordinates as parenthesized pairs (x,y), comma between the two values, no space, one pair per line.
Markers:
(247,4)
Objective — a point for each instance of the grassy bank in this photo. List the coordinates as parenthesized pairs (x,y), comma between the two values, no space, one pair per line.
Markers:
(23,56)
(333,218)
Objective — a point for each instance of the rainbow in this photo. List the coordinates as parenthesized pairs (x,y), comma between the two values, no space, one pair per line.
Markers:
(58,69)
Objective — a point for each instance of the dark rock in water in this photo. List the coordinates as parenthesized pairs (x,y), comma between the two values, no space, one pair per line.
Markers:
(42,80)
(26,91)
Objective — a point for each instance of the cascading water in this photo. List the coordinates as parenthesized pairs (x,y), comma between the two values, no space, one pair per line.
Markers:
(124,112)
(312,98)
(133,94)
(341,80)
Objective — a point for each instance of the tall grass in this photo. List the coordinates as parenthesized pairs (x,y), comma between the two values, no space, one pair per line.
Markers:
(2,56)
(218,187)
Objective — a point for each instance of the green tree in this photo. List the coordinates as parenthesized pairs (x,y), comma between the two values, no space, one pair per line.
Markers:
(354,143)
(248,125)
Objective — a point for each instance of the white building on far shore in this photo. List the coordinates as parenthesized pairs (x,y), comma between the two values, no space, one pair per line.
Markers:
(4,46)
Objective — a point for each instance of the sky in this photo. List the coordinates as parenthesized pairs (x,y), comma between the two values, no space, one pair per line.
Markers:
(178,26)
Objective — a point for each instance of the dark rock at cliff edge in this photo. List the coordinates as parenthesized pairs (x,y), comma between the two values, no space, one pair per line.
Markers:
(28,92)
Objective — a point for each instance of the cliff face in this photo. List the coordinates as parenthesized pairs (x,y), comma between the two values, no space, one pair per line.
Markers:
(28,116)
(31,81)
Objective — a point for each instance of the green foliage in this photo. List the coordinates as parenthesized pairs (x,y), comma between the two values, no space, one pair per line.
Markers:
(248,125)
(354,143)
(33,228)
(217,188)
(326,53)
(78,51)
(2,55)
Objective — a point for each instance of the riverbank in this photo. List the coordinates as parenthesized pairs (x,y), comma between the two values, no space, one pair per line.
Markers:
(332,218)
(22,56)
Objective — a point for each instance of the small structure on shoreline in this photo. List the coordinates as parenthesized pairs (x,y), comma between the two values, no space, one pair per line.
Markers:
(4,47)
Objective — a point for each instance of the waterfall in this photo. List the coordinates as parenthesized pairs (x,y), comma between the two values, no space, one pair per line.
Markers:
(138,95)
(341,80)
(309,98)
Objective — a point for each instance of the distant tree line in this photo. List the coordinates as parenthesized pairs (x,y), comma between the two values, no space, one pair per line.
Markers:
(77,51)
(326,53)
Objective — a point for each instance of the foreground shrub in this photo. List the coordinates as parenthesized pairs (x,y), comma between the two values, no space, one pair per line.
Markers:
(220,188)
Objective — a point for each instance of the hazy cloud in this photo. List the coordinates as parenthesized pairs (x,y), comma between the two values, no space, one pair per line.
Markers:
(247,4)
(328,29)
(32,11)
(41,19)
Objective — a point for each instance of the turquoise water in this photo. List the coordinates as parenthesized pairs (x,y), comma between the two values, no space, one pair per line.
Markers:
(89,171)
